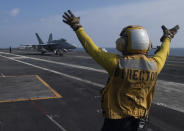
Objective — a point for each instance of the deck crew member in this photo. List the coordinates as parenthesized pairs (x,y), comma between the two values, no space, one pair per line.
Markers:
(127,97)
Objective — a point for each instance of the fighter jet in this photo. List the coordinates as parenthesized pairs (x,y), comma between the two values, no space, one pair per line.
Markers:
(58,47)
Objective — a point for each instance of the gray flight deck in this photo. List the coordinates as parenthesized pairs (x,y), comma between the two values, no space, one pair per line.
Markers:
(54,93)
(20,88)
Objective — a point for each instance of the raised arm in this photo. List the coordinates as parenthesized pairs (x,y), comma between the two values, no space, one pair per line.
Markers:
(106,60)
(161,55)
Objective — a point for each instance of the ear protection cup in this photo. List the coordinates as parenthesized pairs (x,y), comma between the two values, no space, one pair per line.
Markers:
(121,44)
(133,39)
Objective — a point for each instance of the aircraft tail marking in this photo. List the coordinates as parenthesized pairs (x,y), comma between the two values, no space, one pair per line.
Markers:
(50,37)
(39,39)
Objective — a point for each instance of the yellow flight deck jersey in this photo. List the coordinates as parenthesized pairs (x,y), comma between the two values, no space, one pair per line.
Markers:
(132,79)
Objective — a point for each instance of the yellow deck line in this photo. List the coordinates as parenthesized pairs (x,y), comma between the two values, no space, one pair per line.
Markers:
(57,95)
(27,99)
(52,90)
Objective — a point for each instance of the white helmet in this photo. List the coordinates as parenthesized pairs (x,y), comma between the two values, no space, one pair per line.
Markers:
(133,39)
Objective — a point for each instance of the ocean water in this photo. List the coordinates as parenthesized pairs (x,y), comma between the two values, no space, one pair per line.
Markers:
(173,51)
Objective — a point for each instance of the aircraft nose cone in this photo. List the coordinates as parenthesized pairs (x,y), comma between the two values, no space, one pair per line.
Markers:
(74,47)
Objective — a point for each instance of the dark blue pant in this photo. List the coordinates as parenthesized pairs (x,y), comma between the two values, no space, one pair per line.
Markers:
(126,124)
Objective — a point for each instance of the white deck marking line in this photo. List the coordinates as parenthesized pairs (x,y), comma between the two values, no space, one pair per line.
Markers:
(47,115)
(76,78)
(59,73)
(164,85)
(3,75)
(70,65)
(65,64)
(19,57)
(175,61)
(169,107)
(75,66)
(97,96)
(59,63)
(10,54)
(179,65)
(56,123)
(86,57)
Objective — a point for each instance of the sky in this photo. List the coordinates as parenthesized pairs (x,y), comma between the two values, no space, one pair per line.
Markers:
(103,20)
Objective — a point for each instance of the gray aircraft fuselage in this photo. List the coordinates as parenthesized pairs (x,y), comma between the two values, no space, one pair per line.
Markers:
(53,45)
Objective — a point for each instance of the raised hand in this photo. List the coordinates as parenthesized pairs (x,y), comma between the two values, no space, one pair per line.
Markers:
(73,21)
(169,33)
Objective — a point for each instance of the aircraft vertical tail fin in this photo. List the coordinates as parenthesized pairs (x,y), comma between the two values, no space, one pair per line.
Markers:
(39,39)
(50,38)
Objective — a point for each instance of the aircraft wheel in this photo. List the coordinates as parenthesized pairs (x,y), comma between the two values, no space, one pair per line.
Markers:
(60,53)
(56,52)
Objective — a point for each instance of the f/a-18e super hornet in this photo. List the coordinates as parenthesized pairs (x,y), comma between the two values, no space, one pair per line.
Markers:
(58,47)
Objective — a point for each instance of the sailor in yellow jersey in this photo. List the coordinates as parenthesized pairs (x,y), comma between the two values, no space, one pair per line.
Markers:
(128,94)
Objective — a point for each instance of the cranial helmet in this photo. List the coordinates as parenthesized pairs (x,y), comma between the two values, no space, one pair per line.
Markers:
(133,40)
